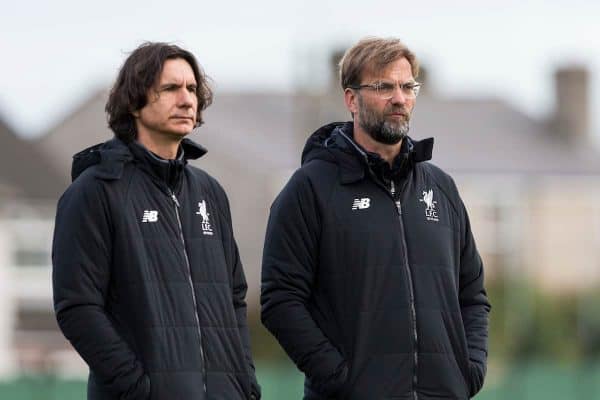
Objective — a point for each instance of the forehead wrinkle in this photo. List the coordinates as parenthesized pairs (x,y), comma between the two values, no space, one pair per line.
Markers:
(171,79)
(397,67)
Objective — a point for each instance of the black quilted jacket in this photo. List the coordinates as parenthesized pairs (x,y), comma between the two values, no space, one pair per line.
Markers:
(374,288)
(148,284)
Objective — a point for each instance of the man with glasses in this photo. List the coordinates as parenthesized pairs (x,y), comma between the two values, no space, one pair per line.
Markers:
(371,279)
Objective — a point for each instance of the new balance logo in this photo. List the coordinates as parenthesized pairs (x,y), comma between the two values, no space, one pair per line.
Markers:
(150,216)
(361,204)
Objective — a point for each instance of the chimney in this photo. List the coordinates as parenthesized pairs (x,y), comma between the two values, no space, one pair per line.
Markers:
(572,103)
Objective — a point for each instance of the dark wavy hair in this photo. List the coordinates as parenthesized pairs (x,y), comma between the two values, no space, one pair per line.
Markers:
(137,76)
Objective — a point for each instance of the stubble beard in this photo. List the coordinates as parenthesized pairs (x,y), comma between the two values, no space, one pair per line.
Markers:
(378,127)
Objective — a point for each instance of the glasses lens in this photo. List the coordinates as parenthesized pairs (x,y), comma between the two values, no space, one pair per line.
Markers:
(385,90)
(415,89)
(410,89)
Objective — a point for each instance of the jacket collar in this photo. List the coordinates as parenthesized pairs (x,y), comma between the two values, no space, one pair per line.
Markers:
(164,171)
(169,172)
(111,157)
(355,169)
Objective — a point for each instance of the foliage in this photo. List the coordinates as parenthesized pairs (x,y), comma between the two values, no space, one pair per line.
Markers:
(528,323)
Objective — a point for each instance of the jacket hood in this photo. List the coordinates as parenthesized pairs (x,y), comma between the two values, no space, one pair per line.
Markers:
(111,157)
(334,143)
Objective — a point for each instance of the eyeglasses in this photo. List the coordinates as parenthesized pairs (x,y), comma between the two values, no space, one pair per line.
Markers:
(385,90)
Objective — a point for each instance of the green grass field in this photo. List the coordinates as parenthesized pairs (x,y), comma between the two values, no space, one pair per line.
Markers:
(534,381)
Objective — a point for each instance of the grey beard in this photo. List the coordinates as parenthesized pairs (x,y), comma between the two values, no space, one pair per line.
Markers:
(378,128)
(390,134)
(381,130)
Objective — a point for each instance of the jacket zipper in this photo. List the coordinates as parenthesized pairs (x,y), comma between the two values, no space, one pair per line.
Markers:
(189,270)
(392,191)
(410,288)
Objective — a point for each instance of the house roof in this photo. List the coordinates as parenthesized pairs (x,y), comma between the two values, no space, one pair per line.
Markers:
(489,136)
(263,132)
(82,128)
(242,128)
(25,171)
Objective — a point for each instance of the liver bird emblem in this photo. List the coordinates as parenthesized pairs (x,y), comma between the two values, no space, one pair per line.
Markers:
(428,199)
(202,211)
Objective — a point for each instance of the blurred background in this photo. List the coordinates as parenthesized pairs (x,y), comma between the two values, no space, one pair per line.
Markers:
(511,95)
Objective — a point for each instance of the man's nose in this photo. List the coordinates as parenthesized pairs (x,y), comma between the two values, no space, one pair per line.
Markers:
(399,96)
(186,98)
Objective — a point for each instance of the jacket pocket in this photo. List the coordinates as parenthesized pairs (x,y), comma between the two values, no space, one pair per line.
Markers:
(458,342)
(381,376)
(440,376)
(139,391)
(330,388)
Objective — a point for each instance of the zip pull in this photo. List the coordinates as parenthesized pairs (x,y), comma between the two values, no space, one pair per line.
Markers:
(175,200)
(399,207)
(392,187)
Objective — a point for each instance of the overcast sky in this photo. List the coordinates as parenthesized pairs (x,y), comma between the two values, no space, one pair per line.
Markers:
(56,53)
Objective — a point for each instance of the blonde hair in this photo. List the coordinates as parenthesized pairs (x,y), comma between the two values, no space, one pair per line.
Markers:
(373,53)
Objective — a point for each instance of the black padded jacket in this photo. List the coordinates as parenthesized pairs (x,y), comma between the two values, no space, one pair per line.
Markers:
(147,280)
(374,288)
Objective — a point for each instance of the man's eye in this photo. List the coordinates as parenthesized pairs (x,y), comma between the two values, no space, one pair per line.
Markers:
(384,86)
(192,89)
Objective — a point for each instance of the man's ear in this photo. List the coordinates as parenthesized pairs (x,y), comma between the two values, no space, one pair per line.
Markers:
(351,100)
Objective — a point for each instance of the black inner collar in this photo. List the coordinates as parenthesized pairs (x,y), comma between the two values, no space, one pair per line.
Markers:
(166,171)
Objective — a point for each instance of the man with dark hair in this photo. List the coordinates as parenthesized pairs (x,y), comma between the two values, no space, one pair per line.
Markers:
(371,280)
(147,279)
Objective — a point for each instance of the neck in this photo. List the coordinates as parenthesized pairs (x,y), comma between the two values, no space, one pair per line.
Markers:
(164,147)
(386,151)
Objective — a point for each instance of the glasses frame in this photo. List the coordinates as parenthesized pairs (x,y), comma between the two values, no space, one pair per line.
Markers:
(413,86)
